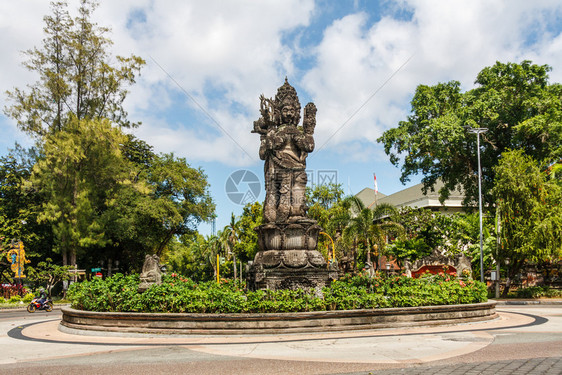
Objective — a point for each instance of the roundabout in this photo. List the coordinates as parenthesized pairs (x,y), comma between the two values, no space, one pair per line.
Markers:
(331,352)
(276,323)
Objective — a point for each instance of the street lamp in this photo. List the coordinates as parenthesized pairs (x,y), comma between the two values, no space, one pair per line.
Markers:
(479,131)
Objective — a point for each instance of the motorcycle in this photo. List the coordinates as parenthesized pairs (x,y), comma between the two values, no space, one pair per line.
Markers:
(36,305)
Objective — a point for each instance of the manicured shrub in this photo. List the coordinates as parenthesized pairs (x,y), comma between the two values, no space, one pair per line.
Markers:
(538,292)
(178,294)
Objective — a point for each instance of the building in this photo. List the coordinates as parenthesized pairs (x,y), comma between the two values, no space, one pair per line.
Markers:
(414,197)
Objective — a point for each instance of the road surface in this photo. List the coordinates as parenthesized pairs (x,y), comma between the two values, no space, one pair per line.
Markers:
(525,340)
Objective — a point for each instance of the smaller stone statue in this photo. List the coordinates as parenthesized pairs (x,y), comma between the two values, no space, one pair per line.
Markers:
(151,273)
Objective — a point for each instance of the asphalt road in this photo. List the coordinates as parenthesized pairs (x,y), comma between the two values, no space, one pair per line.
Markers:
(525,340)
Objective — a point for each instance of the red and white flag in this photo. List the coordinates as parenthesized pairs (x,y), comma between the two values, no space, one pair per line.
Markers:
(376,187)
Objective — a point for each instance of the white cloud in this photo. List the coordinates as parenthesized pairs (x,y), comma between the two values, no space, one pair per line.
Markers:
(219,53)
(224,54)
(449,40)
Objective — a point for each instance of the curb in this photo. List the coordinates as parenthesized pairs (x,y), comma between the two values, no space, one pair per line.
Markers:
(528,302)
(276,323)
(24,308)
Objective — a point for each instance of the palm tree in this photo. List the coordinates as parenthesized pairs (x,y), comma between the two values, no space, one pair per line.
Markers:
(371,227)
(211,248)
(229,239)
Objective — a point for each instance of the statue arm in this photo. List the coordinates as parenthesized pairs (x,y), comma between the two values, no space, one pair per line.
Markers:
(270,142)
(263,147)
(309,120)
(305,142)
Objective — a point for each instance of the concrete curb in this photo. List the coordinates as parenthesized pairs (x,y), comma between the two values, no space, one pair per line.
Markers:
(274,323)
(546,301)
(24,308)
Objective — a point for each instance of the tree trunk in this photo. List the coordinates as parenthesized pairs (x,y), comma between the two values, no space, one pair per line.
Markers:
(64,256)
(234,257)
(354,268)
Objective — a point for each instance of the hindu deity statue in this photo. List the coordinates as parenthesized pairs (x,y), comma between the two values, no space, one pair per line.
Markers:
(288,258)
(284,148)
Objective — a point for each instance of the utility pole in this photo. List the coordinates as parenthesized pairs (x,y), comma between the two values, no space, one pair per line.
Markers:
(479,131)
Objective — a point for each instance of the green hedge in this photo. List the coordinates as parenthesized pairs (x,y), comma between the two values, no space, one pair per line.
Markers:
(538,292)
(177,294)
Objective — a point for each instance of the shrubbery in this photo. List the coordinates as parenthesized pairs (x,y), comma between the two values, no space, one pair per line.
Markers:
(538,292)
(177,294)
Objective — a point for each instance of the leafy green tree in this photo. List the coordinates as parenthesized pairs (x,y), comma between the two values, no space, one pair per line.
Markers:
(104,194)
(20,207)
(411,249)
(190,256)
(49,273)
(370,227)
(162,199)
(428,230)
(79,172)
(530,213)
(448,233)
(181,198)
(515,102)
(329,207)
(77,76)
(251,218)
(229,239)
(325,195)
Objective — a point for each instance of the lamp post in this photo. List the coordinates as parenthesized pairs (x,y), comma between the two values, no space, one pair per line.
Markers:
(479,131)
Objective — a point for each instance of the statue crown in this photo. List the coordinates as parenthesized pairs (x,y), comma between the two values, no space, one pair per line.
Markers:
(287,94)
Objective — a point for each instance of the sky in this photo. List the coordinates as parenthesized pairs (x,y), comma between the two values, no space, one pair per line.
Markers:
(359,61)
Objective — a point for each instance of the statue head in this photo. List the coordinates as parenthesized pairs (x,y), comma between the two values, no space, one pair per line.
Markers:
(287,105)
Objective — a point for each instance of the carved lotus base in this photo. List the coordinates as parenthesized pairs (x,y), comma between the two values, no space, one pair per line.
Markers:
(288,258)
(310,279)
(300,235)
(295,259)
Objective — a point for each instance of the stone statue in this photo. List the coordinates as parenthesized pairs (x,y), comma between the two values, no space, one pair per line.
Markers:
(151,272)
(287,240)
(284,147)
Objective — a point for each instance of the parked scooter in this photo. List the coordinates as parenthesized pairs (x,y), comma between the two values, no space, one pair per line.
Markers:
(36,305)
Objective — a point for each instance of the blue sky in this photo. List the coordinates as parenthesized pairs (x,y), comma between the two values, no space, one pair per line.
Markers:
(358,61)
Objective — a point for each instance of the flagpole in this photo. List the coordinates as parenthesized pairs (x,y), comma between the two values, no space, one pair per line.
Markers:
(376,191)
(376,188)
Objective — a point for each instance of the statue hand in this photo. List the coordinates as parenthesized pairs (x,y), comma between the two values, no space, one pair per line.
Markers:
(309,120)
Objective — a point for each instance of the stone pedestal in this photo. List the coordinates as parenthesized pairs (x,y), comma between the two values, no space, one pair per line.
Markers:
(288,258)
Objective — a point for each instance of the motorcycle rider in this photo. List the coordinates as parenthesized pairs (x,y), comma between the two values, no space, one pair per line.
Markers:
(42,296)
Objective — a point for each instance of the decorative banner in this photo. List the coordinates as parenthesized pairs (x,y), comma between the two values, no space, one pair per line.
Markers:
(16,256)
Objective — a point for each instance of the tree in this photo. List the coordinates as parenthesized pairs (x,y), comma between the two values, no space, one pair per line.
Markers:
(79,172)
(530,213)
(77,78)
(180,199)
(20,207)
(514,102)
(50,273)
(229,239)
(332,212)
(371,227)
(189,256)
(325,195)
(251,218)
(105,194)
(411,249)
(162,200)
(449,234)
